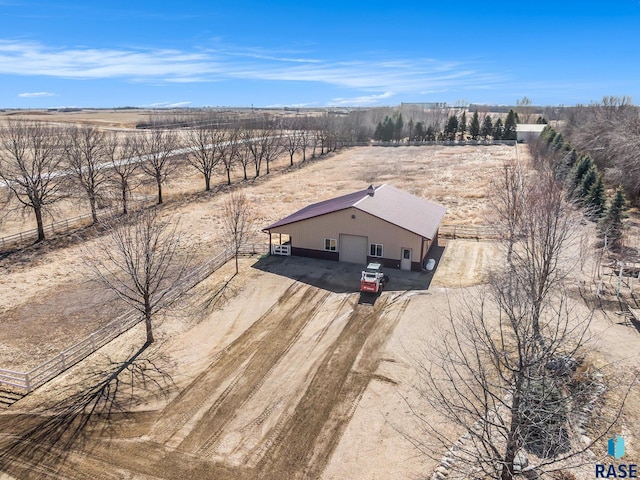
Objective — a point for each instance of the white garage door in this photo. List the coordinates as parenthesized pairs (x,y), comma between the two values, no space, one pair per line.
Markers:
(353,249)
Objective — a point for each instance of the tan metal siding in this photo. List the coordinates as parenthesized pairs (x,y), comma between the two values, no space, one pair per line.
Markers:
(311,233)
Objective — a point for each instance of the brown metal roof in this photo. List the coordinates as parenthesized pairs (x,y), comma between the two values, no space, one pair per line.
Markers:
(388,203)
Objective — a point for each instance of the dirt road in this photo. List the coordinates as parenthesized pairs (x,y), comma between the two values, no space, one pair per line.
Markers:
(272,403)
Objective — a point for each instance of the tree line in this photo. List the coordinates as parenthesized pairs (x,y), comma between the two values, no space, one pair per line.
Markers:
(584,183)
(513,370)
(609,132)
(42,163)
(456,127)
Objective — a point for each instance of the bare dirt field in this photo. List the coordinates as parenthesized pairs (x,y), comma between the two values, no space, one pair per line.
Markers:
(280,372)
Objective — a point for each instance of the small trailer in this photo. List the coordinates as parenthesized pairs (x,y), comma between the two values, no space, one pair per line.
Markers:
(372,279)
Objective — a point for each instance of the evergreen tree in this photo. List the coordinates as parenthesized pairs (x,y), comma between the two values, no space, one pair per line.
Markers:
(451,128)
(487,127)
(548,134)
(541,121)
(385,130)
(462,125)
(474,126)
(397,128)
(377,135)
(410,127)
(588,180)
(564,166)
(430,134)
(510,127)
(612,222)
(388,129)
(594,202)
(558,142)
(581,167)
(498,130)
(419,132)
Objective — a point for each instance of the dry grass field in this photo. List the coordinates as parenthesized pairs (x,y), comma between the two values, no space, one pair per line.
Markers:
(124,118)
(58,279)
(279,372)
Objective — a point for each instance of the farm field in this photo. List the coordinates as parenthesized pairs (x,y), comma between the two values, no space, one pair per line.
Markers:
(278,372)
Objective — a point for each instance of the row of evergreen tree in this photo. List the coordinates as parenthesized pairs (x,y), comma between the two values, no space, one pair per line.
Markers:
(585,186)
(457,127)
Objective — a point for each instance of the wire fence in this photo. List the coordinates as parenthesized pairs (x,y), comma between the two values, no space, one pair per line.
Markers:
(26,382)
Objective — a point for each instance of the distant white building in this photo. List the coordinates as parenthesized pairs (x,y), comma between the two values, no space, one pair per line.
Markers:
(528,131)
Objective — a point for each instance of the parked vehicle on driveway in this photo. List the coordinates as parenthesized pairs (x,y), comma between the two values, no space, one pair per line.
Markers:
(372,279)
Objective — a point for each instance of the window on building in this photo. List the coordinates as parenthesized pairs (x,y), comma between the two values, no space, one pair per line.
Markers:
(330,244)
(375,250)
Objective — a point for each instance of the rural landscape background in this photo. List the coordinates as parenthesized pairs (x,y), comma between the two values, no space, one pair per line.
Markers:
(148,330)
(228,378)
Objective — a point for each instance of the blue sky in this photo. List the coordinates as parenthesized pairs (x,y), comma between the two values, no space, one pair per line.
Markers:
(315,53)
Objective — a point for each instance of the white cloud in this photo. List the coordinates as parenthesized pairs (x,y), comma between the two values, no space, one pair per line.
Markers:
(20,58)
(361,101)
(370,79)
(167,105)
(36,94)
(293,105)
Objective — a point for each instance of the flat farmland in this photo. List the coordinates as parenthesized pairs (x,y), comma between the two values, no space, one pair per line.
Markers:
(279,372)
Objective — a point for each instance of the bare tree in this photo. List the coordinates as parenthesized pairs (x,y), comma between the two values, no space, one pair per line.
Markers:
(158,149)
(524,110)
(272,147)
(292,143)
(304,144)
(86,153)
(357,127)
(251,140)
(120,154)
(327,130)
(140,261)
(242,152)
(31,157)
(263,146)
(237,221)
(206,146)
(505,371)
(538,227)
(609,132)
(543,253)
(316,139)
(225,152)
(230,155)
(516,401)
(508,202)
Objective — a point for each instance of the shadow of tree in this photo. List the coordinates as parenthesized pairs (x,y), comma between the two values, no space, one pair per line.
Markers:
(35,445)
